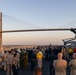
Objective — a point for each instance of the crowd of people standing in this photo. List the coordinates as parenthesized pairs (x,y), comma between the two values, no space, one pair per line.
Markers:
(12,61)
(61,59)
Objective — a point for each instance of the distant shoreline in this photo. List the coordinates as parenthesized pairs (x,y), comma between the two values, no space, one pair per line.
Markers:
(9,47)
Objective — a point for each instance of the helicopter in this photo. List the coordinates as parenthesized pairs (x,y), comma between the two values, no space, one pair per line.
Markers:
(70,42)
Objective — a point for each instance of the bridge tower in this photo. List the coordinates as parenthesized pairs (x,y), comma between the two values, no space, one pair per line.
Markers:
(1,48)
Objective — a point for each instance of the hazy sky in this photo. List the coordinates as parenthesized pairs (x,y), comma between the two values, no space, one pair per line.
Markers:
(27,14)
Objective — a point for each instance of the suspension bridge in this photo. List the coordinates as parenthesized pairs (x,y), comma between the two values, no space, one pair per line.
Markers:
(27,30)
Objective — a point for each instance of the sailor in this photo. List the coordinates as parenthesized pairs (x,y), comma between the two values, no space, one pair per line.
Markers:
(9,63)
(70,50)
(60,65)
(18,58)
(72,65)
(33,60)
(39,57)
(5,60)
(25,59)
(15,68)
(21,59)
